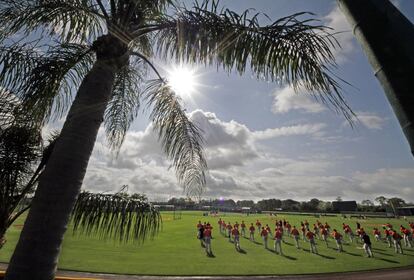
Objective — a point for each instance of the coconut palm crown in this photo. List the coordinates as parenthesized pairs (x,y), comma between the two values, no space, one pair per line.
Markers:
(99,54)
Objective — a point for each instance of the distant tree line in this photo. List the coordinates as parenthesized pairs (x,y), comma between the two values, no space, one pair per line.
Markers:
(380,204)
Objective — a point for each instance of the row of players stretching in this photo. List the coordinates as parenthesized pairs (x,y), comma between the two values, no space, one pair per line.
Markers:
(319,230)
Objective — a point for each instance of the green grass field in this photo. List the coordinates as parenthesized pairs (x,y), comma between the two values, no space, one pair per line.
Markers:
(176,251)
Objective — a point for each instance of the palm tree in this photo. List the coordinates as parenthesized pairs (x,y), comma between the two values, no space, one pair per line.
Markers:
(20,149)
(118,216)
(108,215)
(103,54)
(388,46)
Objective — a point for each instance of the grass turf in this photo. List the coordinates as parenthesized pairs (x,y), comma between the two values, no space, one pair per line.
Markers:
(176,251)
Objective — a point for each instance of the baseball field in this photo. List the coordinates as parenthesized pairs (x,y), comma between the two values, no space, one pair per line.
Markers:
(176,250)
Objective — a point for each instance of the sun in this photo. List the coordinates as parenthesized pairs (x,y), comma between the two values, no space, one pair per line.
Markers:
(182,80)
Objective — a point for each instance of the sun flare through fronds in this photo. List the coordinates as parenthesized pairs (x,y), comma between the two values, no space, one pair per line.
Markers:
(182,80)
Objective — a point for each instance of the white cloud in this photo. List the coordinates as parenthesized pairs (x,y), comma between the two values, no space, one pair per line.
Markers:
(242,166)
(303,129)
(369,120)
(339,23)
(390,181)
(287,99)
(229,146)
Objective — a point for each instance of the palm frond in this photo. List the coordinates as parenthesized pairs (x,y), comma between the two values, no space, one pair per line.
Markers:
(290,50)
(20,147)
(180,138)
(9,105)
(72,19)
(125,102)
(45,82)
(139,12)
(143,45)
(115,216)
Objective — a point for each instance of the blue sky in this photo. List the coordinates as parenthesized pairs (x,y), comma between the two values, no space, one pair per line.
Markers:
(263,140)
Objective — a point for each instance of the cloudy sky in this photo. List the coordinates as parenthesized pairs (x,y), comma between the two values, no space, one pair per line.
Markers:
(263,140)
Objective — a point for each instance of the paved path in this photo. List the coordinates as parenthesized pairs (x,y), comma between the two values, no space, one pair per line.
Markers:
(406,273)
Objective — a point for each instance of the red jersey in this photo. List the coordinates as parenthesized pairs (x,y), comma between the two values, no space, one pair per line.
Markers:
(199,225)
(207,233)
(336,235)
(278,234)
(302,228)
(243,225)
(406,231)
(251,228)
(324,231)
(264,233)
(395,235)
(229,227)
(376,232)
(235,232)
(258,224)
(387,232)
(327,226)
(310,235)
(295,232)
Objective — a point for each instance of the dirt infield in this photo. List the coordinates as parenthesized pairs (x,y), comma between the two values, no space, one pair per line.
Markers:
(406,273)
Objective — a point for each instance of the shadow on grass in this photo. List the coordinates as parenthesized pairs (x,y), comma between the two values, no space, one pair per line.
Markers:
(287,243)
(257,243)
(241,251)
(326,257)
(283,255)
(345,252)
(387,260)
(211,255)
(381,253)
(290,258)
(409,251)
(352,254)
(405,254)
(378,249)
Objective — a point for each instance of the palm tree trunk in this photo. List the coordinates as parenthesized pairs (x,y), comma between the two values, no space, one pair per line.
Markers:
(36,254)
(387,38)
(2,238)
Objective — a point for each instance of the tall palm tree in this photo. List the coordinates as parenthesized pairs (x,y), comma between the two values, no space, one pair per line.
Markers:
(23,157)
(388,46)
(103,54)
(22,160)
(20,149)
